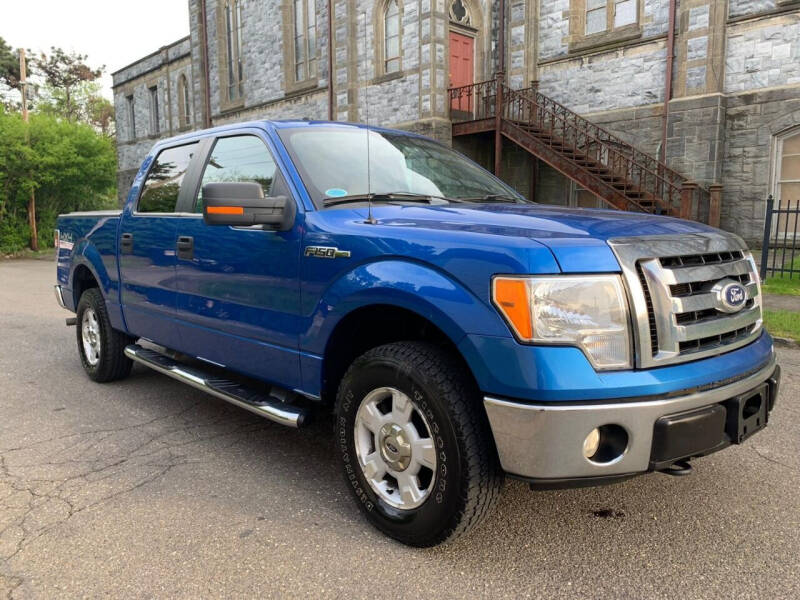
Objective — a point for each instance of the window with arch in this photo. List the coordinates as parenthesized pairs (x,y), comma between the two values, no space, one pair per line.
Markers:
(184,106)
(304,21)
(391,37)
(232,16)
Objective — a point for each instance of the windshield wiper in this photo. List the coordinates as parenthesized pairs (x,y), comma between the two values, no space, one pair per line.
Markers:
(489,198)
(382,197)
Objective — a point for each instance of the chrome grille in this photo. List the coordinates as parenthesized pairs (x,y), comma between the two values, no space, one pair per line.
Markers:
(677,315)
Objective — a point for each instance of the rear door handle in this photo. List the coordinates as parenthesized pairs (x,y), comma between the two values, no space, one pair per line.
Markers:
(185,247)
(126,243)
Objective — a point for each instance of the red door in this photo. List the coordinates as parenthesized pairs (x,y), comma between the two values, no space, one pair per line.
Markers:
(462,70)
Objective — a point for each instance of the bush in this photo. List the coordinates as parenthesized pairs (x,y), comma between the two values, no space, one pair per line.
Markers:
(69,166)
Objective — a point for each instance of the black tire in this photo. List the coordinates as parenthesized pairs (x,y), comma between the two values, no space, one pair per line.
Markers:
(112,364)
(468,477)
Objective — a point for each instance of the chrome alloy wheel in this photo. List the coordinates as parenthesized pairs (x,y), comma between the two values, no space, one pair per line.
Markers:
(90,335)
(395,448)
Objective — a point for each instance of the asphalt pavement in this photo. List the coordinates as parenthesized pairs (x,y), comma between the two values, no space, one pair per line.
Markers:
(146,488)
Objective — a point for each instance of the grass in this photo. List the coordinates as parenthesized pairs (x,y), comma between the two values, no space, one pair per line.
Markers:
(783,323)
(45,254)
(784,285)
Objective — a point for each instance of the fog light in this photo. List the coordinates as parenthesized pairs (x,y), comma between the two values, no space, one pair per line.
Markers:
(606,444)
(591,443)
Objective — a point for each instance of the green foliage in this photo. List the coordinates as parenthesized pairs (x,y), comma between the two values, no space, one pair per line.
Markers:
(70,166)
(69,83)
(9,66)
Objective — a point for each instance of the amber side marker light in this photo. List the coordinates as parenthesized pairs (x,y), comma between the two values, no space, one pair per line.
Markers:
(512,298)
(225,210)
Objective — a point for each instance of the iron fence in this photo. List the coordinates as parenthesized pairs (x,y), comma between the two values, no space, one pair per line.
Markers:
(780,254)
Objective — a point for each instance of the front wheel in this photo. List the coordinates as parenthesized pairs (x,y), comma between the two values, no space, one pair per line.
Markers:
(100,346)
(416,447)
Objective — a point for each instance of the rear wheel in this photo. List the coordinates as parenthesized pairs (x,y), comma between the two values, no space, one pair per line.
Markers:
(100,346)
(416,447)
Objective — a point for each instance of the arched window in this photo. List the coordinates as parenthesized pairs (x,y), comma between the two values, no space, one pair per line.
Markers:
(184,103)
(391,37)
(233,47)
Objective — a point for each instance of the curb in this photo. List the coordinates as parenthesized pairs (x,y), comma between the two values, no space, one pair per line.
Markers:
(785,342)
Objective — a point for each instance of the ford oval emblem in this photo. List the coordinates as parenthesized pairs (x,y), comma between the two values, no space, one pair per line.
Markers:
(730,296)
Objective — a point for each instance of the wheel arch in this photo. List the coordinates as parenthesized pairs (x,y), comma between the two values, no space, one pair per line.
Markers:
(388,301)
(374,325)
(83,278)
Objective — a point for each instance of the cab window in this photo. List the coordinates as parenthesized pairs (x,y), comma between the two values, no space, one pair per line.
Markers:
(163,183)
(235,159)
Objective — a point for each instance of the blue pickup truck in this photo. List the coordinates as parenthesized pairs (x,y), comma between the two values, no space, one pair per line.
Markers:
(457,331)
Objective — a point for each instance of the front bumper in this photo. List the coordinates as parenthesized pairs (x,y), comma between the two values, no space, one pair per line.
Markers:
(544,442)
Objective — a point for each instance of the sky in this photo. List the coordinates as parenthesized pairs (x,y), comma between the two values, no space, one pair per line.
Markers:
(113,33)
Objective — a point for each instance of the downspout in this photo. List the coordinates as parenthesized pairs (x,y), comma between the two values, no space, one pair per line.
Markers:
(206,76)
(668,78)
(499,82)
(330,60)
(501,37)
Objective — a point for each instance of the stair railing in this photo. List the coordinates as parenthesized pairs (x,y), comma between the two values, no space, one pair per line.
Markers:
(473,102)
(634,171)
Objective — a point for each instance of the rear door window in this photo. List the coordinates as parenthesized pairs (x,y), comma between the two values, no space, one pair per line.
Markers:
(238,158)
(163,183)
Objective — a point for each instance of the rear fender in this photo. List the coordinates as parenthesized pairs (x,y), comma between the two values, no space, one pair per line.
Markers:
(85,254)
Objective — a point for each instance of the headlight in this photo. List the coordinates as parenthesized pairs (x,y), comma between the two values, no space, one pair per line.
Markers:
(587,311)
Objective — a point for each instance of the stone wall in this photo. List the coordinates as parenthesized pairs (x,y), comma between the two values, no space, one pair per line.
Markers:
(631,76)
(739,8)
(753,121)
(763,53)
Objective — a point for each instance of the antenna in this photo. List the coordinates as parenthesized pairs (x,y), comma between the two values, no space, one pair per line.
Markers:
(370,219)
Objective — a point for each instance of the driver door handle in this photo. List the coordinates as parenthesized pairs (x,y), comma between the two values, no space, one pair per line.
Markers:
(185,247)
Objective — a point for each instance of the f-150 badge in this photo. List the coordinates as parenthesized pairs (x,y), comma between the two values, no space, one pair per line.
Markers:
(326,252)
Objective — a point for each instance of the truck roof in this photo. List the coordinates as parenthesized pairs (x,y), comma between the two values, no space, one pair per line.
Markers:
(279,124)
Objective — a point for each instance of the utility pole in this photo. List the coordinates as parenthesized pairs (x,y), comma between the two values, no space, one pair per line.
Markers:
(32,202)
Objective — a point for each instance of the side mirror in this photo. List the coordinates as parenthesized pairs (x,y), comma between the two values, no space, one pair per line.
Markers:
(243,203)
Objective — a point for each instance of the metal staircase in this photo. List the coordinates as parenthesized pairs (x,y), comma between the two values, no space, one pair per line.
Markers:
(597,160)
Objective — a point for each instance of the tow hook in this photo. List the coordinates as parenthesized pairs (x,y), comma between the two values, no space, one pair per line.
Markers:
(678,469)
(71,321)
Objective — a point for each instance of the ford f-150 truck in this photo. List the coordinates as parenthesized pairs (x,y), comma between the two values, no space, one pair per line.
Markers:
(457,331)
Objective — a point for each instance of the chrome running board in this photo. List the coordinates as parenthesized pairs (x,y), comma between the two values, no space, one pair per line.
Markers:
(225,389)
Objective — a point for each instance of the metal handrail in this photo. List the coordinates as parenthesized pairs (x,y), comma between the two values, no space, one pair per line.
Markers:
(635,170)
(566,126)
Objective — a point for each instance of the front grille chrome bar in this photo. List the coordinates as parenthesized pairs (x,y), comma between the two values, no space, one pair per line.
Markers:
(676,314)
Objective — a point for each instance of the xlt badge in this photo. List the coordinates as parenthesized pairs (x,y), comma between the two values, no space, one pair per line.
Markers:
(326,252)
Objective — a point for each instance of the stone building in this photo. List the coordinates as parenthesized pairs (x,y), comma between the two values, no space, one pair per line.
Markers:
(716,97)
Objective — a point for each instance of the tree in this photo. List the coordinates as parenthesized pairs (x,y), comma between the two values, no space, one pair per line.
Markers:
(68,81)
(100,114)
(9,66)
(70,166)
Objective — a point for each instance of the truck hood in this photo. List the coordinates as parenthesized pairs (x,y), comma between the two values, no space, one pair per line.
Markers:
(576,237)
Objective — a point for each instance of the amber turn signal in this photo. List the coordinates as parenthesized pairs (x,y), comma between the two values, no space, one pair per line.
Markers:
(225,210)
(512,297)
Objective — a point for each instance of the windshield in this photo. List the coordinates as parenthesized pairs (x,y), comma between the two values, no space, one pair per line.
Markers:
(333,164)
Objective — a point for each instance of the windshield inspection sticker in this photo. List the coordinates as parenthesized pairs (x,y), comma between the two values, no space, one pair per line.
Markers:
(336,193)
